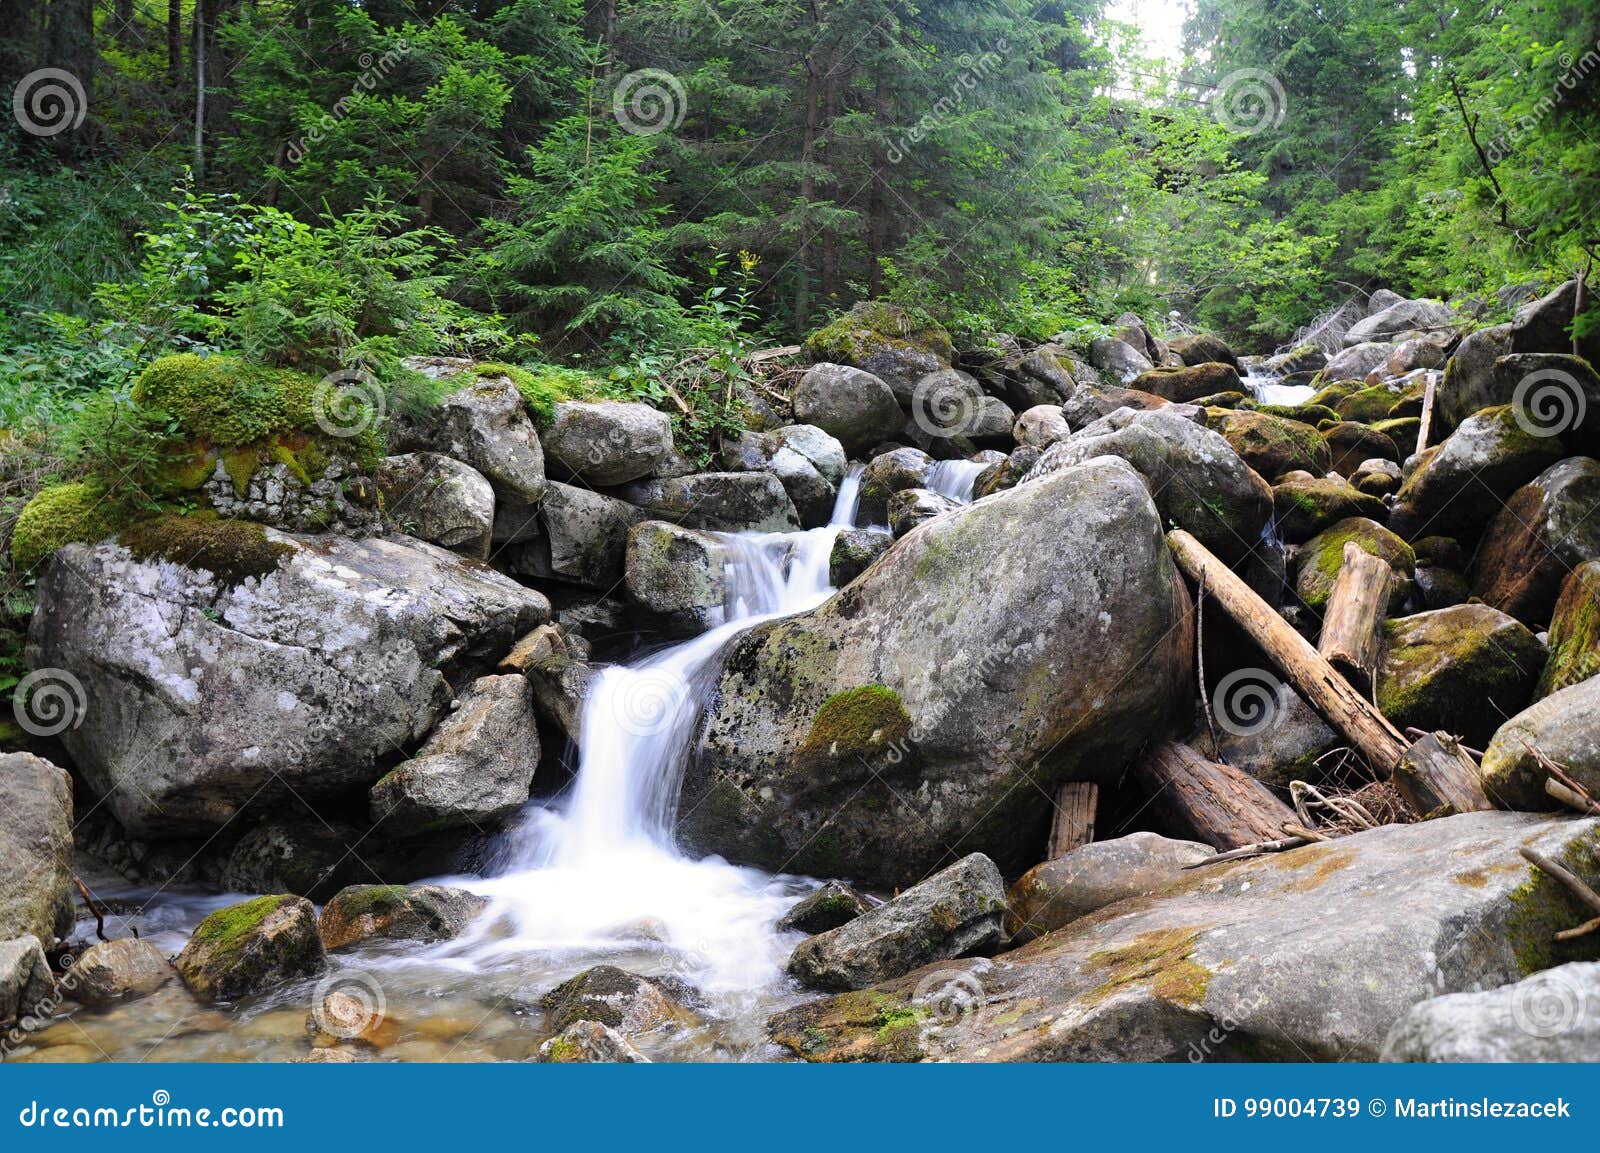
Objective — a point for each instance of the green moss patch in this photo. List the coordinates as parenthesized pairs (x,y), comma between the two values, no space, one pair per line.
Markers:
(56,516)
(857,721)
(227,931)
(872,327)
(1161,959)
(1543,907)
(232,549)
(867,1025)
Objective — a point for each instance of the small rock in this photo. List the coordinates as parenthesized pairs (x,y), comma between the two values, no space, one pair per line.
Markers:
(250,947)
(602,443)
(624,1001)
(25,981)
(583,1042)
(1092,876)
(1565,727)
(112,970)
(829,907)
(396,913)
(915,506)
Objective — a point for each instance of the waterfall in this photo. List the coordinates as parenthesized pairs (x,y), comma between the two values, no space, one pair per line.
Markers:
(955,478)
(588,870)
(1264,386)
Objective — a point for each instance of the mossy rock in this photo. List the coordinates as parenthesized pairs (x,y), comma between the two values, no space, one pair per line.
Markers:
(856,722)
(1402,430)
(233,550)
(1312,414)
(395,913)
(62,514)
(1190,384)
(867,1025)
(1367,404)
(1323,556)
(1305,507)
(1574,632)
(250,947)
(873,327)
(543,386)
(1270,444)
(1457,669)
(1542,907)
(1349,444)
(1330,395)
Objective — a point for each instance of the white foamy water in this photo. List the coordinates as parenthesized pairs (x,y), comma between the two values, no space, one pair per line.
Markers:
(1265,388)
(954,478)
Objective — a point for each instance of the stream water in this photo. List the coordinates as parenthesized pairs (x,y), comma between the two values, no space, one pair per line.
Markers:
(592,877)
(1265,387)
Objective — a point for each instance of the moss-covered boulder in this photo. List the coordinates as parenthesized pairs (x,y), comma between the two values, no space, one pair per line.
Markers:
(1096,642)
(620,1000)
(854,550)
(886,474)
(1457,669)
(250,947)
(1306,506)
(1574,632)
(829,907)
(1270,444)
(895,344)
(677,577)
(1546,529)
(1469,383)
(1323,556)
(1366,405)
(1350,444)
(1203,348)
(1189,384)
(57,516)
(395,913)
(1403,431)
(1459,486)
(1565,728)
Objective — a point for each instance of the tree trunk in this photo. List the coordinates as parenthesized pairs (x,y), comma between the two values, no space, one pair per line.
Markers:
(1073,826)
(200,32)
(1200,800)
(1438,779)
(1353,624)
(175,40)
(808,190)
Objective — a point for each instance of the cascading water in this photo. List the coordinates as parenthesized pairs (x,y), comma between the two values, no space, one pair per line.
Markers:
(596,876)
(955,478)
(1265,387)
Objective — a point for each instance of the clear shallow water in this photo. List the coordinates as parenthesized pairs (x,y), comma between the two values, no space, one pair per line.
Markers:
(591,878)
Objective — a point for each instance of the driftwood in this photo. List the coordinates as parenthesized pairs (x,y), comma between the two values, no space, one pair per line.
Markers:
(1201,800)
(1575,885)
(1074,820)
(1427,414)
(1437,778)
(1352,626)
(1261,848)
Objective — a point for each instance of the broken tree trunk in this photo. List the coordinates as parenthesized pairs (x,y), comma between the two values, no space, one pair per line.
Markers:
(1426,427)
(1438,779)
(1201,800)
(1352,626)
(1074,821)
(1379,742)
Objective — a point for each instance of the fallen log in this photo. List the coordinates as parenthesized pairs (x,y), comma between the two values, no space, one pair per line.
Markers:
(1352,626)
(1426,427)
(1438,779)
(1073,825)
(1200,800)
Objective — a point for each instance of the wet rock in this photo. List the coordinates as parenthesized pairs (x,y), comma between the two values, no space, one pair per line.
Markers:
(1460,485)
(1550,1016)
(1323,555)
(1122,361)
(829,907)
(250,947)
(1355,361)
(439,500)
(584,1042)
(853,406)
(25,981)
(955,913)
(1427,352)
(1266,959)
(484,424)
(1565,727)
(1458,669)
(1006,473)
(1574,632)
(1197,480)
(1270,444)
(1189,384)
(854,550)
(581,538)
(606,442)
(1301,358)
(1092,876)
(114,970)
(678,576)
(909,663)
(1041,426)
(474,770)
(1306,506)
(204,692)
(1547,529)
(36,895)
(724,501)
(912,507)
(363,913)
(889,473)
(1203,348)
(1350,444)
(623,1001)
(1438,587)
(305,856)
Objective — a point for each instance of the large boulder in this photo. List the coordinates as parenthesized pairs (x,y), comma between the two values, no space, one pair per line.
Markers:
(306,856)
(1121,360)
(1563,727)
(1197,480)
(807,461)
(1470,381)
(35,843)
(1045,376)
(475,769)
(620,1000)
(957,912)
(1574,632)
(442,501)
(1458,669)
(1306,955)
(1545,324)
(723,501)
(250,947)
(1203,348)
(962,664)
(363,913)
(896,345)
(1272,445)
(854,406)
(116,970)
(1350,444)
(1093,876)
(951,414)
(1356,361)
(1323,556)
(606,442)
(483,423)
(290,663)
(1558,395)
(1189,384)
(1402,317)
(25,981)
(678,576)
(1547,529)
(1550,1016)
(1306,505)
(1290,748)
(1458,486)
(579,537)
